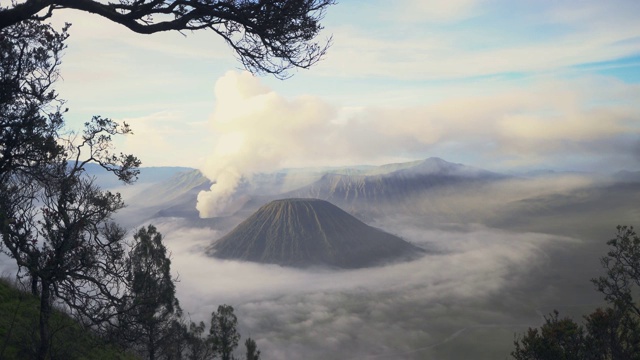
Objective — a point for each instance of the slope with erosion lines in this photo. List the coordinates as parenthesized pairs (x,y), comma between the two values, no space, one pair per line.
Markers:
(363,194)
(310,232)
(367,192)
(173,197)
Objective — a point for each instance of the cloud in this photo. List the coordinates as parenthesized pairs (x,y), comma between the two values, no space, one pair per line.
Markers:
(165,137)
(259,131)
(551,123)
(416,11)
(403,309)
(467,296)
(499,38)
(112,71)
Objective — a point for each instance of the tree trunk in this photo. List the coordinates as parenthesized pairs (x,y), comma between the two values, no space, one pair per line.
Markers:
(151,344)
(45,314)
(34,286)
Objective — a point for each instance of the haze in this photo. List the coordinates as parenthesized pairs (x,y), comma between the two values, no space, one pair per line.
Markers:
(542,94)
(501,253)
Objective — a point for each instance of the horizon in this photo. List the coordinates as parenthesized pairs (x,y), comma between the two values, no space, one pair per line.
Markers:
(381,164)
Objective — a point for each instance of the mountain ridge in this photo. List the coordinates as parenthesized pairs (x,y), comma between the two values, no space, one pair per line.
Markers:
(364,191)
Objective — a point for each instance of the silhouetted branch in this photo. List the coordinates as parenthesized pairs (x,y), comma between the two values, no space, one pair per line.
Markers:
(268,36)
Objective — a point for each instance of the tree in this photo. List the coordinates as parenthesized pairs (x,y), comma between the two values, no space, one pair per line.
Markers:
(557,339)
(56,224)
(198,348)
(223,334)
(617,328)
(609,334)
(622,264)
(175,344)
(30,111)
(152,303)
(268,36)
(252,349)
(612,334)
(54,221)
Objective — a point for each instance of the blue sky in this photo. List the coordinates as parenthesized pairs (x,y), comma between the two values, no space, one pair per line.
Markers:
(495,84)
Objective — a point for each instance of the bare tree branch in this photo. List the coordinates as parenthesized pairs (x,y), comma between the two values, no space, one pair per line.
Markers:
(268,36)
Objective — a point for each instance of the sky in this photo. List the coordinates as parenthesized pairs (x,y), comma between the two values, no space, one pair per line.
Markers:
(502,85)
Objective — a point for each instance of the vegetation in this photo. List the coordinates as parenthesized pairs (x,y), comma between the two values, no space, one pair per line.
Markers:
(149,329)
(223,333)
(30,111)
(56,223)
(19,331)
(252,350)
(267,36)
(608,334)
(151,305)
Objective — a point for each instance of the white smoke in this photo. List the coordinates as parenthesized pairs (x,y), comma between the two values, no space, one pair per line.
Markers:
(262,131)
(258,130)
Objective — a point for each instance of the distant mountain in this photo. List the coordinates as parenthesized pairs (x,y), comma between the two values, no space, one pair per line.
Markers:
(310,232)
(404,181)
(627,176)
(107,180)
(548,173)
(178,192)
(172,197)
(364,191)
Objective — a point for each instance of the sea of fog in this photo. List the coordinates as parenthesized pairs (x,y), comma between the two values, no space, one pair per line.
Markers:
(478,286)
(468,297)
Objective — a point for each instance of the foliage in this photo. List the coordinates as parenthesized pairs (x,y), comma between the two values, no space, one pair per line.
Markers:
(19,331)
(198,347)
(175,343)
(54,222)
(223,334)
(557,339)
(622,264)
(608,334)
(30,111)
(252,349)
(151,306)
(58,229)
(268,36)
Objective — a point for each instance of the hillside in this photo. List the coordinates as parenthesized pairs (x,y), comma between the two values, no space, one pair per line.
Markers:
(308,232)
(19,313)
(364,191)
(398,184)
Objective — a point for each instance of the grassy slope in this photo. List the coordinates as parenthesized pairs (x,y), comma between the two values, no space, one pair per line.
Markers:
(18,331)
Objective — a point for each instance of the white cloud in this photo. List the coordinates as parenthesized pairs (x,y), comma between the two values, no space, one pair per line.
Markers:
(165,138)
(488,254)
(259,131)
(394,309)
(544,124)
(544,39)
(418,11)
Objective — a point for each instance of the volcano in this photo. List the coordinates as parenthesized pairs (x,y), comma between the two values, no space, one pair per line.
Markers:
(310,232)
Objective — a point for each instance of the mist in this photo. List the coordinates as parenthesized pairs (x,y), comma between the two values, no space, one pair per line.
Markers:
(405,310)
(499,257)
